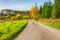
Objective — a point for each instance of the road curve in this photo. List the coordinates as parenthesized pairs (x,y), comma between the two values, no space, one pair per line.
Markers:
(37,31)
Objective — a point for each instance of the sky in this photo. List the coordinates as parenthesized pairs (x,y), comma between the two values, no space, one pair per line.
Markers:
(20,4)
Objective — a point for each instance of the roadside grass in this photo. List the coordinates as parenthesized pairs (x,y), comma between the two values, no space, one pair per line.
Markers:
(9,30)
(55,23)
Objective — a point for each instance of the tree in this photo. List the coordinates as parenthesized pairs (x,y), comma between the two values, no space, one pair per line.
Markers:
(34,12)
(40,11)
(13,13)
(8,15)
(46,10)
(56,9)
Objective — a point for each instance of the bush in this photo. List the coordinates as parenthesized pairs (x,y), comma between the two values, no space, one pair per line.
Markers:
(18,16)
(13,18)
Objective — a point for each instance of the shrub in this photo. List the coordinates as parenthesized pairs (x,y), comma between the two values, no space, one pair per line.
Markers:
(13,18)
(18,16)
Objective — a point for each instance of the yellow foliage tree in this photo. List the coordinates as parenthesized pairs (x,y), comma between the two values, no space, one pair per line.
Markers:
(34,13)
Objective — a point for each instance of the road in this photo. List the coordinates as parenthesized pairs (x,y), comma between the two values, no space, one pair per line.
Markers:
(37,31)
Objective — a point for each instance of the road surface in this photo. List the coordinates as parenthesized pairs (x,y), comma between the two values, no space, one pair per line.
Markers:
(37,31)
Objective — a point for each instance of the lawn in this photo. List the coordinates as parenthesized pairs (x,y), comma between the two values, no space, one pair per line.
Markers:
(9,30)
(55,23)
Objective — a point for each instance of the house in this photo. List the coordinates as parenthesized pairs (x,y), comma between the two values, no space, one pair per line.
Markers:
(14,12)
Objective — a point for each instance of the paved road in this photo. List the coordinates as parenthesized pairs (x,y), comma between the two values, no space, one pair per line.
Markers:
(36,31)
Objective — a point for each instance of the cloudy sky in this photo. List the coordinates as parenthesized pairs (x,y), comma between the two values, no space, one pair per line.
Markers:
(20,4)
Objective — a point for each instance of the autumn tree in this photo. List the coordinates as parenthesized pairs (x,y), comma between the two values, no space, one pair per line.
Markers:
(34,12)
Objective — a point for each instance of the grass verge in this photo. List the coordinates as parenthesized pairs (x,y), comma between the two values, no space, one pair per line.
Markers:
(9,30)
(55,23)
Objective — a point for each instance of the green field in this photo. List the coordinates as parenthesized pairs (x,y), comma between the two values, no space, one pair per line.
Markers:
(9,30)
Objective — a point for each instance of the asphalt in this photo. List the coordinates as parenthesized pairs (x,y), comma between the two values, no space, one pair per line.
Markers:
(37,31)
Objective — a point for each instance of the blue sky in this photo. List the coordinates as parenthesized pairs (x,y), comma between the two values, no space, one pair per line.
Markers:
(20,4)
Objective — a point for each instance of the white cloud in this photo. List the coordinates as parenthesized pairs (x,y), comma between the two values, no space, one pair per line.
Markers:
(17,7)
